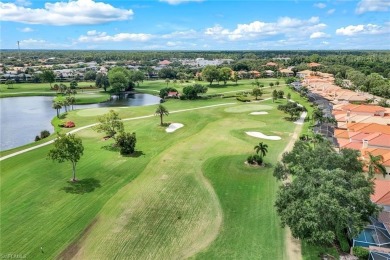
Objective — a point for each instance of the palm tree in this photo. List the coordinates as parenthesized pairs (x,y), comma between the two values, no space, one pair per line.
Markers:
(71,101)
(262,148)
(57,106)
(68,91)
(161,111)
(375,165)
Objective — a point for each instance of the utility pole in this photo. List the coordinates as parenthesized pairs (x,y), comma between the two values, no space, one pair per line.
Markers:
(19,50)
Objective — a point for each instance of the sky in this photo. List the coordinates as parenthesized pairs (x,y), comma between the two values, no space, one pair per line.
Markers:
(195,24)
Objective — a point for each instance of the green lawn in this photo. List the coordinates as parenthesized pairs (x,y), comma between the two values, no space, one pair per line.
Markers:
(185,194)
(33,89)
(83,98)
(153,87)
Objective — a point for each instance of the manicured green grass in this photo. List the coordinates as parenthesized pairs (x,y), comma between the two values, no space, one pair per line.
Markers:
(153,87)
(35,89)
(157,205)
(87,98)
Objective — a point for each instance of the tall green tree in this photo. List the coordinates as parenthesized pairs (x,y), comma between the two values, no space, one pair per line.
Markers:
(48,76)
(235,77)
(319,202)
(257,92)
(102,81)
(137,76)
(57,105)
(161,111)
(274,95)
(67,148)
(224,74)
(210,73)
(329,193)
(261,148)
(109,123)
(71,101)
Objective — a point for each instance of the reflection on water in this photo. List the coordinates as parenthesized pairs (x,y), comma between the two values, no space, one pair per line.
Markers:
(22,118)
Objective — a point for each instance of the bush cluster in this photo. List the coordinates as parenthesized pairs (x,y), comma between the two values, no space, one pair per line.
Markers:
(43,135)
(243,99)
(360,252)
(255,159)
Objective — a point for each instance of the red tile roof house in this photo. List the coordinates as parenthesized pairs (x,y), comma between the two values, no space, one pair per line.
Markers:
(272,64)
(164,63)
(385,153)
(360,135)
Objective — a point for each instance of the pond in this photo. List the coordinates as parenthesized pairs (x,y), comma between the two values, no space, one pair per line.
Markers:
(22,118)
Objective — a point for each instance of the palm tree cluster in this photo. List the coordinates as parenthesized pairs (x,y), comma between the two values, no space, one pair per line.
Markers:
(261,150)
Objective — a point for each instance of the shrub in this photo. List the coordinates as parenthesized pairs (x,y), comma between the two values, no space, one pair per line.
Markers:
(360,252)
(126,142)
(243,99)
(69,124)
(45,134)
(343,241)
(37,138)
(255,159)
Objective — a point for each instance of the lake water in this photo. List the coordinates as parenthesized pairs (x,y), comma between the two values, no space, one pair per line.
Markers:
(22,118)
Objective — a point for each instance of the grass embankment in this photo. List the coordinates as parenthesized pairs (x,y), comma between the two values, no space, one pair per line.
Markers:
(87,98)
(157,204)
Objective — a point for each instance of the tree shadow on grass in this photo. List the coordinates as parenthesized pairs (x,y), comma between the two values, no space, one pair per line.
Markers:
(111,147)
(136,154)
(82,186)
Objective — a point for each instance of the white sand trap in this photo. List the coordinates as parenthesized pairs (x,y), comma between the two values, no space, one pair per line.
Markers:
(259,113)
(263,136)
(173,127)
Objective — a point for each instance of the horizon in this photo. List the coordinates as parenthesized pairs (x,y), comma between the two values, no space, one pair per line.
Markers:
(191,25)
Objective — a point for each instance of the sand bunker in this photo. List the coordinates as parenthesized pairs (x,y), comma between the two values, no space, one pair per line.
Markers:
(263,136)
(173,127)
(259,113)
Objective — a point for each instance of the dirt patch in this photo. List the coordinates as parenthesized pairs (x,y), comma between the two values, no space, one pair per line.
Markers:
(71,250)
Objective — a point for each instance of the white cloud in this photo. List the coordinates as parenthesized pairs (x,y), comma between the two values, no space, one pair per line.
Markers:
(320,5)
(26,29)
(372,6)
(353,30)
(331,11)
(64,13)
(23,2)
(259,29)
(43,44)
(190,34)
(95,36)
(176,2)
(317,35)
